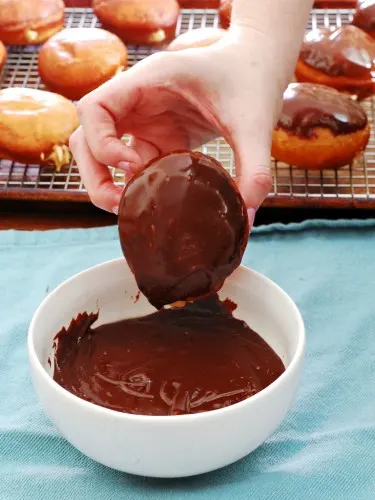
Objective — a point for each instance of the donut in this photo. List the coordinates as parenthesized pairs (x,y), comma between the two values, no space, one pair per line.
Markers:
(341,58)
(319,127)
(30,22)
(76,61)
(225,13)
(149,22)
(3,55)
(364,16)
(183,227)
(201,37)
(35,126)
(199,4)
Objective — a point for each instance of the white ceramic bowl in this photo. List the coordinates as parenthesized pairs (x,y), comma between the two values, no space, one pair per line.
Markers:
(166,446)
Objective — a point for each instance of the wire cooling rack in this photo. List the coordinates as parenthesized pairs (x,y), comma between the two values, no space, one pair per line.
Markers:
(351,186)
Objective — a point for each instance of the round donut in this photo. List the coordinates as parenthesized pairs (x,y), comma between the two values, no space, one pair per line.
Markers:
(225,13)
(76,61)
(199,4)
(30,22)
(3,55)
(364,16)
(150,22)
(35,126)
(319,128)
(341,58)
(183,227)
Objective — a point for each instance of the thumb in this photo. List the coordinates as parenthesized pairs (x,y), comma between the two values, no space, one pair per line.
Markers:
(253,169)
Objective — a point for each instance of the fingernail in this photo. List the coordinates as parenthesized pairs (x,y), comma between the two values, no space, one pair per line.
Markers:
(126,167)
(251,215)
(115,210)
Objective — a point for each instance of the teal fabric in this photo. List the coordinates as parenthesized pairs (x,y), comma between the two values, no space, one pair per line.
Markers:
(325,448)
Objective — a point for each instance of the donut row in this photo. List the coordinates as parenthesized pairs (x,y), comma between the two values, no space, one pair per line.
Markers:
(319,127)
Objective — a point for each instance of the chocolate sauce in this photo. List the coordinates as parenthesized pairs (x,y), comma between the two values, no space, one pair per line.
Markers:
(307,106)
(346,51)
(175,361)
(364,16)
(183,227)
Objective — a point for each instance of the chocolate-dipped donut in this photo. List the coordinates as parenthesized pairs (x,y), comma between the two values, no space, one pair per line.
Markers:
(183,227)
(139,21)
(319,127)
(364,16)
(225,13)
(76,61)
(199,4)
(342,58)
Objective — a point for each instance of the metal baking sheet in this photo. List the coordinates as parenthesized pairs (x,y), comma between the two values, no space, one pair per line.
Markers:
(351,186)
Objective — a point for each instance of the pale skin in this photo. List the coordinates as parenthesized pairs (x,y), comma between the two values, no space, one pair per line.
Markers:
(227,84)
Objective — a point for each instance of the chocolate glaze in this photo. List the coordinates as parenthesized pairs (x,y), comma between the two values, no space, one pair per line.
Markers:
(364,16)
(307,106)
(175,361)
(346,51)
(183,227)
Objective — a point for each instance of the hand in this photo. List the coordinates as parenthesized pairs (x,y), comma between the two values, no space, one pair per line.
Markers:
(222,84)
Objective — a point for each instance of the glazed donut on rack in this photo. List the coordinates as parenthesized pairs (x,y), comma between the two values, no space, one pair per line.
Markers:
(3,55)
(36,126)
(150,22)
(319,127)
(341,58)
(76,61)
(30,22)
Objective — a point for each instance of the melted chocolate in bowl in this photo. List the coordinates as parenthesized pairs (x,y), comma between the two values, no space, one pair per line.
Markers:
(307,106)
(183,227)
(176,361)
(346,51)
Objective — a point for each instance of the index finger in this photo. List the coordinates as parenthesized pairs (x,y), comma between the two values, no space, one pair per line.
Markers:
(96,177)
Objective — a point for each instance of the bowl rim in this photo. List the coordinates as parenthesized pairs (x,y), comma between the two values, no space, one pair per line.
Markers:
(163,419)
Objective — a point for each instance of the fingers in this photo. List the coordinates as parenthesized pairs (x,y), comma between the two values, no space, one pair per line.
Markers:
(145,151)
(99,121)
(95,176)
(250,134)
(253,166)
(101,111)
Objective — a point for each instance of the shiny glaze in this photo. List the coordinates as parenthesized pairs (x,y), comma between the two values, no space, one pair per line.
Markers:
(74,46)
(346,51)
(183,227)
(150,14)
(75,61)
(307,106)
(173,362)
(15,13)
(364,16)
(25,102)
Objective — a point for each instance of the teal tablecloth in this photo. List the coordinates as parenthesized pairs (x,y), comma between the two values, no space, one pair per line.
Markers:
(325,449)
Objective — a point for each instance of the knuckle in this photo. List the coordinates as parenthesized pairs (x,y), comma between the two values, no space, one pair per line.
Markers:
(263,178)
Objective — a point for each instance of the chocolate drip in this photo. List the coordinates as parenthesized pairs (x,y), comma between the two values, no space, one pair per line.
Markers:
(364,16)
(346,51)
(307,106)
